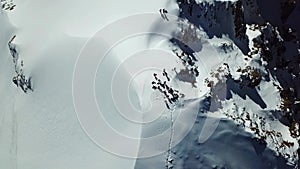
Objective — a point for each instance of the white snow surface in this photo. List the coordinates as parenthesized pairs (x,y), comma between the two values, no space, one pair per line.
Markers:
(41,130)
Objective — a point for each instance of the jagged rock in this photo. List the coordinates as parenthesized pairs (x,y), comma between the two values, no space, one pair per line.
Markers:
(20,80)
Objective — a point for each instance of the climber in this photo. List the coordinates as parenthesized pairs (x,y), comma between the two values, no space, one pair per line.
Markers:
(15,80)
(163,13)
(155,76)
(166,74)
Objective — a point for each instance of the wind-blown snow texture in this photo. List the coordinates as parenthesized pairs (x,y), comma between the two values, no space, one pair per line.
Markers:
(256,45)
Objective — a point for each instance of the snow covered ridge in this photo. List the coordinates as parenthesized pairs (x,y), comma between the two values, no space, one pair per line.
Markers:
(128,73)
(268,59)
(226,67)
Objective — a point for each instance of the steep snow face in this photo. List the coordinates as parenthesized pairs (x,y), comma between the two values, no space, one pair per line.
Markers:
(75,18)
(220,151)
(41,127)
(7,125)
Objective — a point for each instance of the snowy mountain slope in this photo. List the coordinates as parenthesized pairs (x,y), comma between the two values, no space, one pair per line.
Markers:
(249,99)
(189,152)
(40,129)
(220,151)
(253,100)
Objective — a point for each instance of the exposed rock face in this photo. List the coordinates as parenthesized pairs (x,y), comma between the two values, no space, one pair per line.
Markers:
(277,46)
(7,5)
(20,80)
